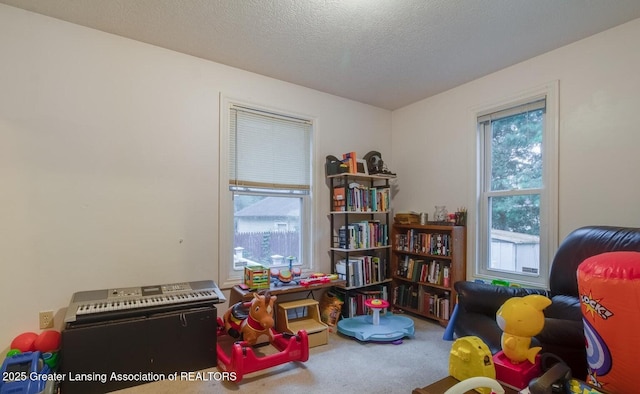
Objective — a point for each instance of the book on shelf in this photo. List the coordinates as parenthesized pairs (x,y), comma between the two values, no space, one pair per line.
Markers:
(412,241)
(361,270)
(339,199)
(349,159)
(434,304)
(362,198)
(418,270)
(365,234)
(406,296)
(354,302)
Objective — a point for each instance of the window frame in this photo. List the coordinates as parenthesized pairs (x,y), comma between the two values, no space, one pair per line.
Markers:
(548,192)
(227,275)
(305,216)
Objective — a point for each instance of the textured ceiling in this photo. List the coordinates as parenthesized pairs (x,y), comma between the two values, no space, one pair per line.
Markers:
(387,53)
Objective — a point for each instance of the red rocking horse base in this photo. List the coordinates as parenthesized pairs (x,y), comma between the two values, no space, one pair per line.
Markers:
(242,359)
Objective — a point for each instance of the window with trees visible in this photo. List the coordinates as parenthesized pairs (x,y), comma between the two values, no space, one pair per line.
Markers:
(517,222)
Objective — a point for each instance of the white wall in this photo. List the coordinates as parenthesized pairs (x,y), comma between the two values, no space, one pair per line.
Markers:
(109,161)
(599,133)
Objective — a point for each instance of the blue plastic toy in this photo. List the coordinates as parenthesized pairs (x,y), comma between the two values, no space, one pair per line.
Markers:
(26,373)
(387,328)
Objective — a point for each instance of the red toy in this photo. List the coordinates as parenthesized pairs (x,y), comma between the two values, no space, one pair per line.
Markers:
(48,341)
(250,322)
(242,360)
(317,278)
(24,342)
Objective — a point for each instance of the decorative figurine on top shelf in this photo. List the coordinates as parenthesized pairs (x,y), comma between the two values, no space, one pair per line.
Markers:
(440,214)
(376,166)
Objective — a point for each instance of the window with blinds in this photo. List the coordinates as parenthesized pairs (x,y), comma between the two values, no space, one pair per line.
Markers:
(269,164)
(269,151)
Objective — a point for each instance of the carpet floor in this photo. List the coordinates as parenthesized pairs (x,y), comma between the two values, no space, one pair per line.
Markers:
(344,365)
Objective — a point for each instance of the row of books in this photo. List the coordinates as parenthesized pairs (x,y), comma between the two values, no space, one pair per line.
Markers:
(418,242)
(415,297)
(363,235)
(361,270)
(418,270)
(354,301)
(361,198)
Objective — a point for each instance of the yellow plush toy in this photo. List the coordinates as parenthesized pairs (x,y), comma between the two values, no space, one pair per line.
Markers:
(521,318)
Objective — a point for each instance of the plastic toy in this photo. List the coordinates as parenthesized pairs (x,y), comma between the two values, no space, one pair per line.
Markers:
(609,289)
(251,321)
(389,328)
(284,277)
(470,357)
(475,383)
(256,325)
(317,278)
(242,359)
(521,318)
(24,342)
(256,277)
(48,341)
(376,305)
(26,373)
(449,330)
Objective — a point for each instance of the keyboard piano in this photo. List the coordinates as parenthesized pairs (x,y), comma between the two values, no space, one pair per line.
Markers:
(108,304)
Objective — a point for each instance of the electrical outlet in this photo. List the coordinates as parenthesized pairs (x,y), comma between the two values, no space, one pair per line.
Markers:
(46,320)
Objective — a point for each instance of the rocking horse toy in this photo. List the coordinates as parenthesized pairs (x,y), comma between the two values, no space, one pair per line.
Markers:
(251,323)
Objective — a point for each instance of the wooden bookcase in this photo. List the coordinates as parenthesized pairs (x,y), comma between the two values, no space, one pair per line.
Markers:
(426,260)
(361,241)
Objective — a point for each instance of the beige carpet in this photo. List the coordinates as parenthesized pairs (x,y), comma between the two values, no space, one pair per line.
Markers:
(344,365)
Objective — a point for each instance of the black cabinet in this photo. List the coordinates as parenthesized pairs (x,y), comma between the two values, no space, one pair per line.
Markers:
(108,356)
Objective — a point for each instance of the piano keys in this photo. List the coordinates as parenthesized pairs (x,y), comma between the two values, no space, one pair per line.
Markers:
(108,304)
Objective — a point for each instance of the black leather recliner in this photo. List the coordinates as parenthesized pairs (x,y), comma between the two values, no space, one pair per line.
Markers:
(563,333)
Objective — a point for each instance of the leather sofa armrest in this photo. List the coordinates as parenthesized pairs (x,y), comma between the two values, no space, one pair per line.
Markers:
(486,299)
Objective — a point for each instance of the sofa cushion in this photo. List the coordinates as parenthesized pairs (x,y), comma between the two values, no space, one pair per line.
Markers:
(583,243)
(565,308)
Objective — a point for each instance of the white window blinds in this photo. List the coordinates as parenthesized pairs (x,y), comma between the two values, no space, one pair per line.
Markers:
(268,151)
(513,110)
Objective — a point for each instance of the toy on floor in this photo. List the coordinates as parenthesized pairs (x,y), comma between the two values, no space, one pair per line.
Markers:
(47,343)
(252,323)
(27,373)
(470,357)
(387,328)
(252,320)
(520,318)
(330,308)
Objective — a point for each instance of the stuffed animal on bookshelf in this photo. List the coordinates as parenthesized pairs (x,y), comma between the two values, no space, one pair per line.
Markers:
(521,318)
(251,321)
